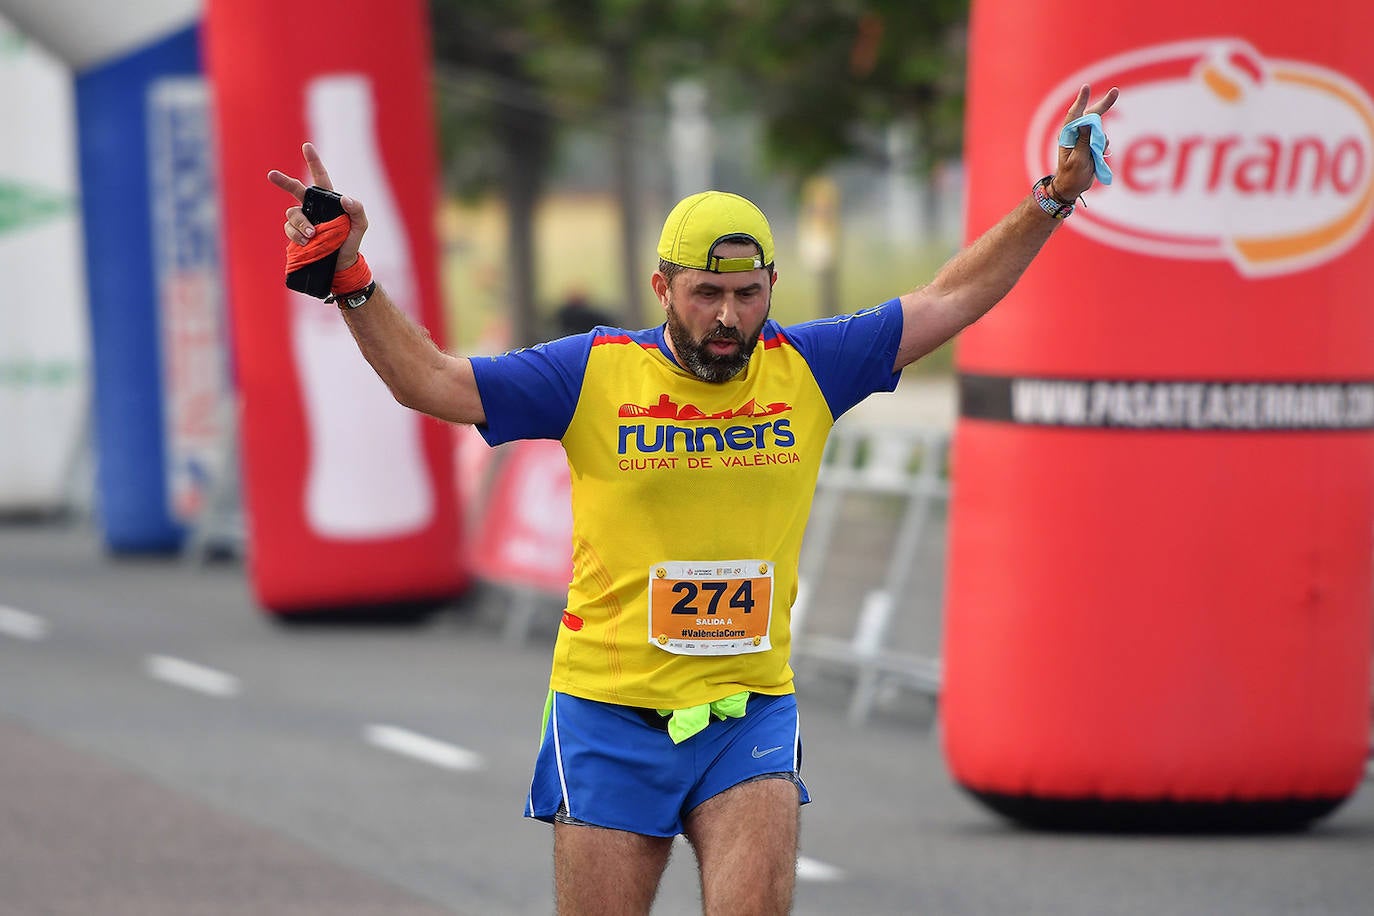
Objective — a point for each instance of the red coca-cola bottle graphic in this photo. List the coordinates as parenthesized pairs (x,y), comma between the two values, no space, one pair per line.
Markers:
(366,476)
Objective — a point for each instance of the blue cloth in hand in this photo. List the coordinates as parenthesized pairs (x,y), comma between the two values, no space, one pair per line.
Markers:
(1097,141)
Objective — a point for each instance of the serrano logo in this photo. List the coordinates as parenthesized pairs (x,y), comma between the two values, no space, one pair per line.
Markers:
(1224,154)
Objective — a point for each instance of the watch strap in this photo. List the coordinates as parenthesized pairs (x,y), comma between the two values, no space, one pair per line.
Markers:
(354,299)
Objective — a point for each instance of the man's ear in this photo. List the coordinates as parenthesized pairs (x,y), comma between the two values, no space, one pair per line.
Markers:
(660,285)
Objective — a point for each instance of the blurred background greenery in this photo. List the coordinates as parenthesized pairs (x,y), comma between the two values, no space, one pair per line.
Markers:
(570,127)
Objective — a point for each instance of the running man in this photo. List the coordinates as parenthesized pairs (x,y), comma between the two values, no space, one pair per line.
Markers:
(694,448)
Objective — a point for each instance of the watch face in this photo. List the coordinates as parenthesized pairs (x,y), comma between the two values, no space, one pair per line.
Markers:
(360,297)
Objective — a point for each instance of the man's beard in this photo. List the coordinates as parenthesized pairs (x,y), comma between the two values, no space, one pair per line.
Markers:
(696,355)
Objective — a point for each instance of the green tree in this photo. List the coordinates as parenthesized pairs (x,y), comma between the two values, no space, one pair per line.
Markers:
(496,124)
(826,74)
(823,75)
(512,73)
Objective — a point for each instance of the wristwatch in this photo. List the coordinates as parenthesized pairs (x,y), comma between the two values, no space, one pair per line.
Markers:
(356,298)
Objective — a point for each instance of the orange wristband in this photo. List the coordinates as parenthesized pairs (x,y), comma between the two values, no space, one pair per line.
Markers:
(352,279)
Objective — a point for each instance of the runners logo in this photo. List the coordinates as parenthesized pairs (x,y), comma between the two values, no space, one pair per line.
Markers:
(667,431)
(1224,154)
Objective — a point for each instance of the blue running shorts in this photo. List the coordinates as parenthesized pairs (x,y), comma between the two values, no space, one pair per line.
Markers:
(614,766)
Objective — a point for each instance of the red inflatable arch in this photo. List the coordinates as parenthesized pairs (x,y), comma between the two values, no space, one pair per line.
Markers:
(1159,590)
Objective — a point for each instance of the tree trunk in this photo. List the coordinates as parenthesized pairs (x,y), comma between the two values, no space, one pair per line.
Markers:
(524,137)
(634,264)
(521,197)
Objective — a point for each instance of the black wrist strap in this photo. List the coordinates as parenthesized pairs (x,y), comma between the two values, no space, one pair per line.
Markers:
(354,299)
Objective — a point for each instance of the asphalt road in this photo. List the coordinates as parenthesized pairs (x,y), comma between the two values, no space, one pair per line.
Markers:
(167,749)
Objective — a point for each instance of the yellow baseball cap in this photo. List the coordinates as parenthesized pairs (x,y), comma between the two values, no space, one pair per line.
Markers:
(701,222)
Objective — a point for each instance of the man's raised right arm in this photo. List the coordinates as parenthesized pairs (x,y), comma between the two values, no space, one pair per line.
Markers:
(418,374)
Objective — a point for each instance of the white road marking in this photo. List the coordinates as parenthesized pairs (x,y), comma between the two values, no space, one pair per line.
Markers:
(812,870)
(186,674)
(420,747)
(22,624)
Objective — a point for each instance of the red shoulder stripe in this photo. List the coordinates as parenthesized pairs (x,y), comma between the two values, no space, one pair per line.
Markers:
(600,339)
(777,340)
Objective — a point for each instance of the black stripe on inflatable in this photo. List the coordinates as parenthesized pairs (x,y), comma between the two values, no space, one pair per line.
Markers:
(1140,404)
(1103,815)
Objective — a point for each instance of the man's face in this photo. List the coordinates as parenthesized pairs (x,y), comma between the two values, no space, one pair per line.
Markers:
(714,320)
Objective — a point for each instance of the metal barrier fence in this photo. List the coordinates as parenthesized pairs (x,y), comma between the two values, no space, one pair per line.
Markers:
(871,571)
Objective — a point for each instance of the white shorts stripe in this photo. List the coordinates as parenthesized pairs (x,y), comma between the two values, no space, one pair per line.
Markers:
(796,746)
(558,754)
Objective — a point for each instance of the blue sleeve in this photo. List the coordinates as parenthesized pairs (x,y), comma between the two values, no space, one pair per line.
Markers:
(531,393)
(851,356)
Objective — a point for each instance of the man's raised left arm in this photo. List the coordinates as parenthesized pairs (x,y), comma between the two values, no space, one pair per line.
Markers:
(977,278)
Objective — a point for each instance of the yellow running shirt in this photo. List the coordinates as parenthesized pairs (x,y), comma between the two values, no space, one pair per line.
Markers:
(689,498)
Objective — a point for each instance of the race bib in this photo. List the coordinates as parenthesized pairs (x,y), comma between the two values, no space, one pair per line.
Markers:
(719,607)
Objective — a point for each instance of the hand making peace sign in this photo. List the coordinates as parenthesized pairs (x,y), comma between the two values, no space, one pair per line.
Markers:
(298,228)
(1074,174)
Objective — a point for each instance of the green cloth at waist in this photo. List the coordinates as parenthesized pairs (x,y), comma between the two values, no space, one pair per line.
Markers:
(684,723)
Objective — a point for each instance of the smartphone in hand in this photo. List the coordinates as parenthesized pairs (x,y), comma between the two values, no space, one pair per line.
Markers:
(319,205)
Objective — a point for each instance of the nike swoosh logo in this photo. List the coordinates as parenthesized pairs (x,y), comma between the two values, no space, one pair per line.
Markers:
(764,753)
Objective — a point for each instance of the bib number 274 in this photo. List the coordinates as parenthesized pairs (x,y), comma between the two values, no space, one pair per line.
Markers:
(710,607)
(704,597)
